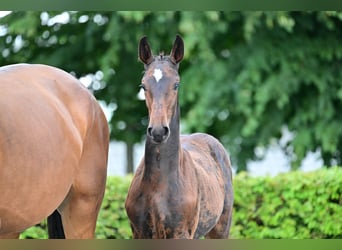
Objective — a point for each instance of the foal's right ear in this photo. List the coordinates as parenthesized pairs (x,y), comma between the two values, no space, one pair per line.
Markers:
(145,53)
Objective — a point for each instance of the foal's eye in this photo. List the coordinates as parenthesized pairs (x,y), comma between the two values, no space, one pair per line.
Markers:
(176,86)
(142,86)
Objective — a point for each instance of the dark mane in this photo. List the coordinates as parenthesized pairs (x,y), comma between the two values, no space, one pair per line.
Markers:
(162,57)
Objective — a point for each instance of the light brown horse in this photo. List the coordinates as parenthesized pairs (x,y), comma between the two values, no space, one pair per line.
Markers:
(183,185)
(53,152)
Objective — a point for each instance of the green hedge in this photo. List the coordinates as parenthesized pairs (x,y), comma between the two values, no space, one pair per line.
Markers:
(292,205)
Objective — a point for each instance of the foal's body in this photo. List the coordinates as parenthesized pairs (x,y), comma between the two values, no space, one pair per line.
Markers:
(186,197)
(183,185)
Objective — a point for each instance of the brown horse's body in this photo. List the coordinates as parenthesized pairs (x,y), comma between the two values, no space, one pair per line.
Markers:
(53,151)
(183,185)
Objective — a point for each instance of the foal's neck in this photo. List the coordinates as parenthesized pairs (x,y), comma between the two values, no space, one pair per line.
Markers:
(164,158)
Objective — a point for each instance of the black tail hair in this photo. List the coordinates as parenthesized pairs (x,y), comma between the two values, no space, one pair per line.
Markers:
(55,226)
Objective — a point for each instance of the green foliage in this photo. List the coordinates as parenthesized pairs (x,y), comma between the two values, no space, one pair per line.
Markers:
(37,232)
(292,205)
(245,75)
(112,221)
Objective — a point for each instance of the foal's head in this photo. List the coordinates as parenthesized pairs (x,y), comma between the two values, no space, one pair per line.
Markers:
(160,83)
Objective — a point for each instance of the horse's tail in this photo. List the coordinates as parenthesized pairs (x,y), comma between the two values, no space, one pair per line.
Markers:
(55,226)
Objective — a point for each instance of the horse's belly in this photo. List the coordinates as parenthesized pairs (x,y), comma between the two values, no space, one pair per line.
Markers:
(36,170)
(29,198)
(11,221)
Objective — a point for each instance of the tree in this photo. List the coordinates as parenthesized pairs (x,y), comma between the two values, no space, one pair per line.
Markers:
(246,75)
(285,72)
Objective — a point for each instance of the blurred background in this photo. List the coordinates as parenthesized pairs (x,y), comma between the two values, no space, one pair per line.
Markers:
(267,84)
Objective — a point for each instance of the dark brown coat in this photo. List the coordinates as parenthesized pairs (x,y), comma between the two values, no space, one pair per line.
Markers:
(183,185)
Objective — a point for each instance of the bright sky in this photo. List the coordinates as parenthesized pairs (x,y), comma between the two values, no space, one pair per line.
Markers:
(4,13)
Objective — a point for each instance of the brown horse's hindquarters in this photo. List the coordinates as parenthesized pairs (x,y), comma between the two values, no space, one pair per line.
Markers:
(42,131)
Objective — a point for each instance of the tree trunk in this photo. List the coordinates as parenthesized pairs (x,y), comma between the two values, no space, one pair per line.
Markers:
(129,157)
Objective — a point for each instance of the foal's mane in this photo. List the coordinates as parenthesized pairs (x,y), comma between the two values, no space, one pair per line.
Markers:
(162,57)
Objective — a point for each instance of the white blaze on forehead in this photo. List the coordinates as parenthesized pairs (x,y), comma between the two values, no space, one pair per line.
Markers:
(158,74)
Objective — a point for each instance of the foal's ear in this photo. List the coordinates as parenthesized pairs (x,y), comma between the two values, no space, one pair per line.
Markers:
(177,51)
(145,53)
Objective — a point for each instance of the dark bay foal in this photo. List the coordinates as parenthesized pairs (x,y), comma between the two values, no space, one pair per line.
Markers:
(183,185)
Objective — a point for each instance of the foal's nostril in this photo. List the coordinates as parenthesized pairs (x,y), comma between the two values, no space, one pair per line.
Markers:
(149,131)
(159,133)
(166,131)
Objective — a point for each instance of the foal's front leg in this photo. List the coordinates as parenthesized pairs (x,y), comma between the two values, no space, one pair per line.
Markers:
(177,229)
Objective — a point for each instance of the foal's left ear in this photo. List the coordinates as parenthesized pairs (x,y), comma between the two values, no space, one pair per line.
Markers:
(177,51)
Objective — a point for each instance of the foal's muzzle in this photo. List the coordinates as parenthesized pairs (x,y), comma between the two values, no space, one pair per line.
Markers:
(158,134)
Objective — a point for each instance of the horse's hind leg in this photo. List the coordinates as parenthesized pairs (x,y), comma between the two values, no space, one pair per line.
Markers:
(79,214)
(221,229)
(80,209)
